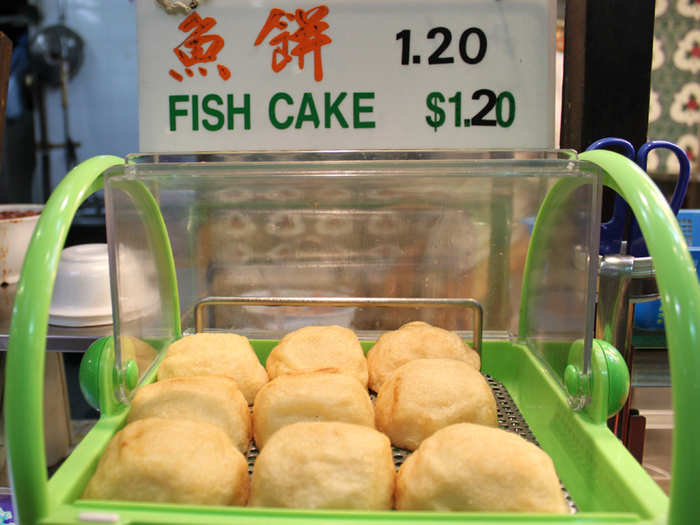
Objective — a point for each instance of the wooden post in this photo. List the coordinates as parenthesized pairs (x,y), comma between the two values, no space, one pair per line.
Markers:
(607,71)
(5,59)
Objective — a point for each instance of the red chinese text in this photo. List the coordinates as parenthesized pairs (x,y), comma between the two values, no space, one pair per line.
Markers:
(308,38)
(199,47)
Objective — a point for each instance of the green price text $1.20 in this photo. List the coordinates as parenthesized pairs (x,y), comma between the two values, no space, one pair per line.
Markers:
(501,106)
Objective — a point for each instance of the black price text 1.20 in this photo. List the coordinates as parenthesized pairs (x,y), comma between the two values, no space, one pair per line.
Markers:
(471,47)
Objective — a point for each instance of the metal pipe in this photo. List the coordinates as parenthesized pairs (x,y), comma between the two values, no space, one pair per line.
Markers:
(475,306)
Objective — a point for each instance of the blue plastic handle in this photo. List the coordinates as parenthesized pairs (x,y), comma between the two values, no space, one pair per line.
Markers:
(637,246)
(612,232)
(625,146)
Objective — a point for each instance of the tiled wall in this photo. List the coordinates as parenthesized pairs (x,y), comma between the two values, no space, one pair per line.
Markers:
(674,107)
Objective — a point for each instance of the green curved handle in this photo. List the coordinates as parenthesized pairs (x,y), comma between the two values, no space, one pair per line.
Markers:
(24,383)
(678,285)
(28,329)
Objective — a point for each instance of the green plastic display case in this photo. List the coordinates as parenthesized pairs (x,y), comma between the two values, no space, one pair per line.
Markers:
(204,241)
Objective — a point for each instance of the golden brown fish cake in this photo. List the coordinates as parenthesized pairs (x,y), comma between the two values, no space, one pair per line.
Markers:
(216,354)
(171,461)
(316,348)
(324,465)
(323,395)
(425,395)
(415,340)
(468,467)
(211,399)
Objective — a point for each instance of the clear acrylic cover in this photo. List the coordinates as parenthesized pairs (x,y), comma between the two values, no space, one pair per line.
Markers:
(394,224)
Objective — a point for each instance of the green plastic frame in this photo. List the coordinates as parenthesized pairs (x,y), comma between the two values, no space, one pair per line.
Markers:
(603,478)
(24,383)
(27,345)
(678,285)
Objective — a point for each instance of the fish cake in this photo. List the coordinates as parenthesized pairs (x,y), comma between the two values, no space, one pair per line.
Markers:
(468,467)
(217,353)
(415,340)
(324,465)
(425,395)
(324,395)
(171,461)
(316,348)
(211,399)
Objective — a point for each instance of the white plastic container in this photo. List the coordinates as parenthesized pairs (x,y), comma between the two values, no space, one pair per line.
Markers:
(81,295)
(15,234)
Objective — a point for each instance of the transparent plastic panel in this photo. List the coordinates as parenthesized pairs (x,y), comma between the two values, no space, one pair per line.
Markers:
(561,278)
(422,224)
(144,297)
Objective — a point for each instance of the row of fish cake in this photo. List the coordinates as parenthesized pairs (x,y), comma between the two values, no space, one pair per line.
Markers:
(322,442)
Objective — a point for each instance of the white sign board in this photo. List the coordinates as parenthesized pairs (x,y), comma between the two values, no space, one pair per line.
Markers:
(366,74)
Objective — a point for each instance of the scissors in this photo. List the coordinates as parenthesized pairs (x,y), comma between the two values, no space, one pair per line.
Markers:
(612,232)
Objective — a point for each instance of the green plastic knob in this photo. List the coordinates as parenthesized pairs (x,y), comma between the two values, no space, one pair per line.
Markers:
(572,379)
(607,386)
(131,374)
(89,374)
(618,377)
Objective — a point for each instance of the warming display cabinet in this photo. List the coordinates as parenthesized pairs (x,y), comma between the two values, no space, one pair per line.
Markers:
(499,246)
